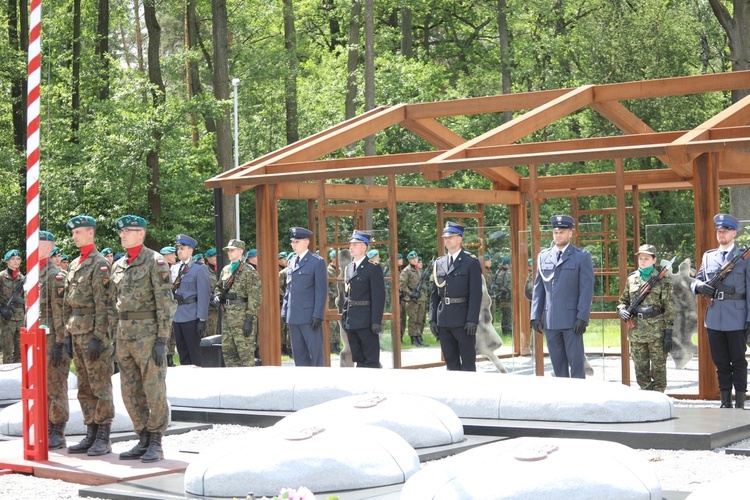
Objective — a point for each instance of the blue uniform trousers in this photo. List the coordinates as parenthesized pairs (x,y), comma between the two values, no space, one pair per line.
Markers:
(307,345)
(188,342)
(365,347)
(566,353)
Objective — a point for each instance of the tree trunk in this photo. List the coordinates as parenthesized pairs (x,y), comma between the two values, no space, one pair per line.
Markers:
(290,80)
(102,49)
(158,98)
(75,97)
(194,81)
(18,37)
(138,36)
(504,38)
(406,38)
(352,62)
(737,29)
(221,92)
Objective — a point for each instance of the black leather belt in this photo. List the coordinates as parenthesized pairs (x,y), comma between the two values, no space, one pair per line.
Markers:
(729,296)
(80,311)
(359,302)
(234,302)
(189,300)
(649,314)
(455,300)
(137,314)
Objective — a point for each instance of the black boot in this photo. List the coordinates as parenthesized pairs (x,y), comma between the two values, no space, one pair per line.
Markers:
(56,435)
(155,451)
(739,400)
(170,360)
(726,399)
(421,341)
(85,444)
(101,446)
(138,450)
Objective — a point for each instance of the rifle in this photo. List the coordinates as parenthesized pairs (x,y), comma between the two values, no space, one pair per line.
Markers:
(13,299)
(645,289)
(224,290)
(724,271)
(423,278)
(178,280)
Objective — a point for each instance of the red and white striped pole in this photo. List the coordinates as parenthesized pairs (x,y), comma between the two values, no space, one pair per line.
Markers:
(33,351)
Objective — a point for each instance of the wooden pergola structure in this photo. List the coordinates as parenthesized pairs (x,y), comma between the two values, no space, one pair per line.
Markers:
(712,155)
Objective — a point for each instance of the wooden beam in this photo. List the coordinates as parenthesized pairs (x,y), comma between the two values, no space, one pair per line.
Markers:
(433,132)
(516,129)
(404,194)
(267,224)
(664,87)
(736,114)
(622,264)
(481,105)
(734,161)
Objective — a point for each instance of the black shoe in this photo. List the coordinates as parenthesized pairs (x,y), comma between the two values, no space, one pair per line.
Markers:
(101,445)
(86,442)
(56,435)
(739,400)
(726,399)
(155,451)
(139,449)
(170,360)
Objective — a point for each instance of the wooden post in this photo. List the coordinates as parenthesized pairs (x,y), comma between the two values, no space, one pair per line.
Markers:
(267,231)
(322,240)
(536,239)
(393,249)
(706,200)
(622,263)
(521,306)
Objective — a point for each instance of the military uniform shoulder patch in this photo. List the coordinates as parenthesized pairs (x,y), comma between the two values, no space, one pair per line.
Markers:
(161,262)
(165,277)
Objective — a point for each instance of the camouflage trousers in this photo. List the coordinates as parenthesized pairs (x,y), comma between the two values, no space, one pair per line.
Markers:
(237,349)
(506,320)
(650,365)
(415,311)
(333,330)
(212,322)
(58,410)
(94,381)
(286,341)
(144,384)
(171,344)
(10,339)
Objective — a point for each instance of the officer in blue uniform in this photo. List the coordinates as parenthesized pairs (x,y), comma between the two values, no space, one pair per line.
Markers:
(728,320)
(364,303)
(455,301)
(305,300)
(192,290)
(561,299)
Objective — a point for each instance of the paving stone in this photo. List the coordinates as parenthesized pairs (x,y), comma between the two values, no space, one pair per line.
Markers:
(331,458)
(533,468)
(421,421)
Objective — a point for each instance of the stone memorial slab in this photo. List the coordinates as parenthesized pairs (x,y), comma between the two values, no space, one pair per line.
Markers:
(533,468)
(421,421)
(469,395)
(331,458)
(10,381)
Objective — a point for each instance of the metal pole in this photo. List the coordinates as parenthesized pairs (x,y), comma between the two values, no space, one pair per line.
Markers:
(218,225)
(235,84)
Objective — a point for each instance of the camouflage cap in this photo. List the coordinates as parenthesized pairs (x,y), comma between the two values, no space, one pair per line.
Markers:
(81,221)
(649,249)
(235,244)
(12,253)
(46,236)
(131,221)
(211,252)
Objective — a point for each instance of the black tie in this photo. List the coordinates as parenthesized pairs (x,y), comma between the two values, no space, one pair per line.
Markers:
(559,255)
(450,262)
(724,256)
(182,266)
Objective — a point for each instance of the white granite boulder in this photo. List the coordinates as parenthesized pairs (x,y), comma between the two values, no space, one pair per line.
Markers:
(421,421)
(11,417)
(532,468)
(469,395)
(339,457)
(10,381)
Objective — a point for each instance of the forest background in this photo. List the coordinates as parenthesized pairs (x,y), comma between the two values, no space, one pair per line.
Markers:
(137,95)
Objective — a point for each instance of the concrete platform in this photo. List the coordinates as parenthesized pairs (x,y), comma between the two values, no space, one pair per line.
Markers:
(80,468)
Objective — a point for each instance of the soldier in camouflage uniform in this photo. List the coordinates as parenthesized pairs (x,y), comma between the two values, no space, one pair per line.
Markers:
(51,295)
(212,328)
(13,314)
(143,312)
(502,288)
(333,292)
(286,341)
(651,339)
(86,313)
(241,302)
(414,299)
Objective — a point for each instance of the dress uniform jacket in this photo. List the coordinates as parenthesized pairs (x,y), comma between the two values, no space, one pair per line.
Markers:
(196,282)
(364,283)
(306,290)
(563,291)
(463,281)
(729,314)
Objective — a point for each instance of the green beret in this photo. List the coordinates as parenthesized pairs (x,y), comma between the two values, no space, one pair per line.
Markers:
(253,252)
(11,254)
(210,252)
(131,221)
(64,257)
(168,250)
(282,255)
(411,255)
(372,253)
(81,221)
(487,256)
(400,256)
(46,236)
(107,251)
(197,257)
(55,251)
(332,254)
